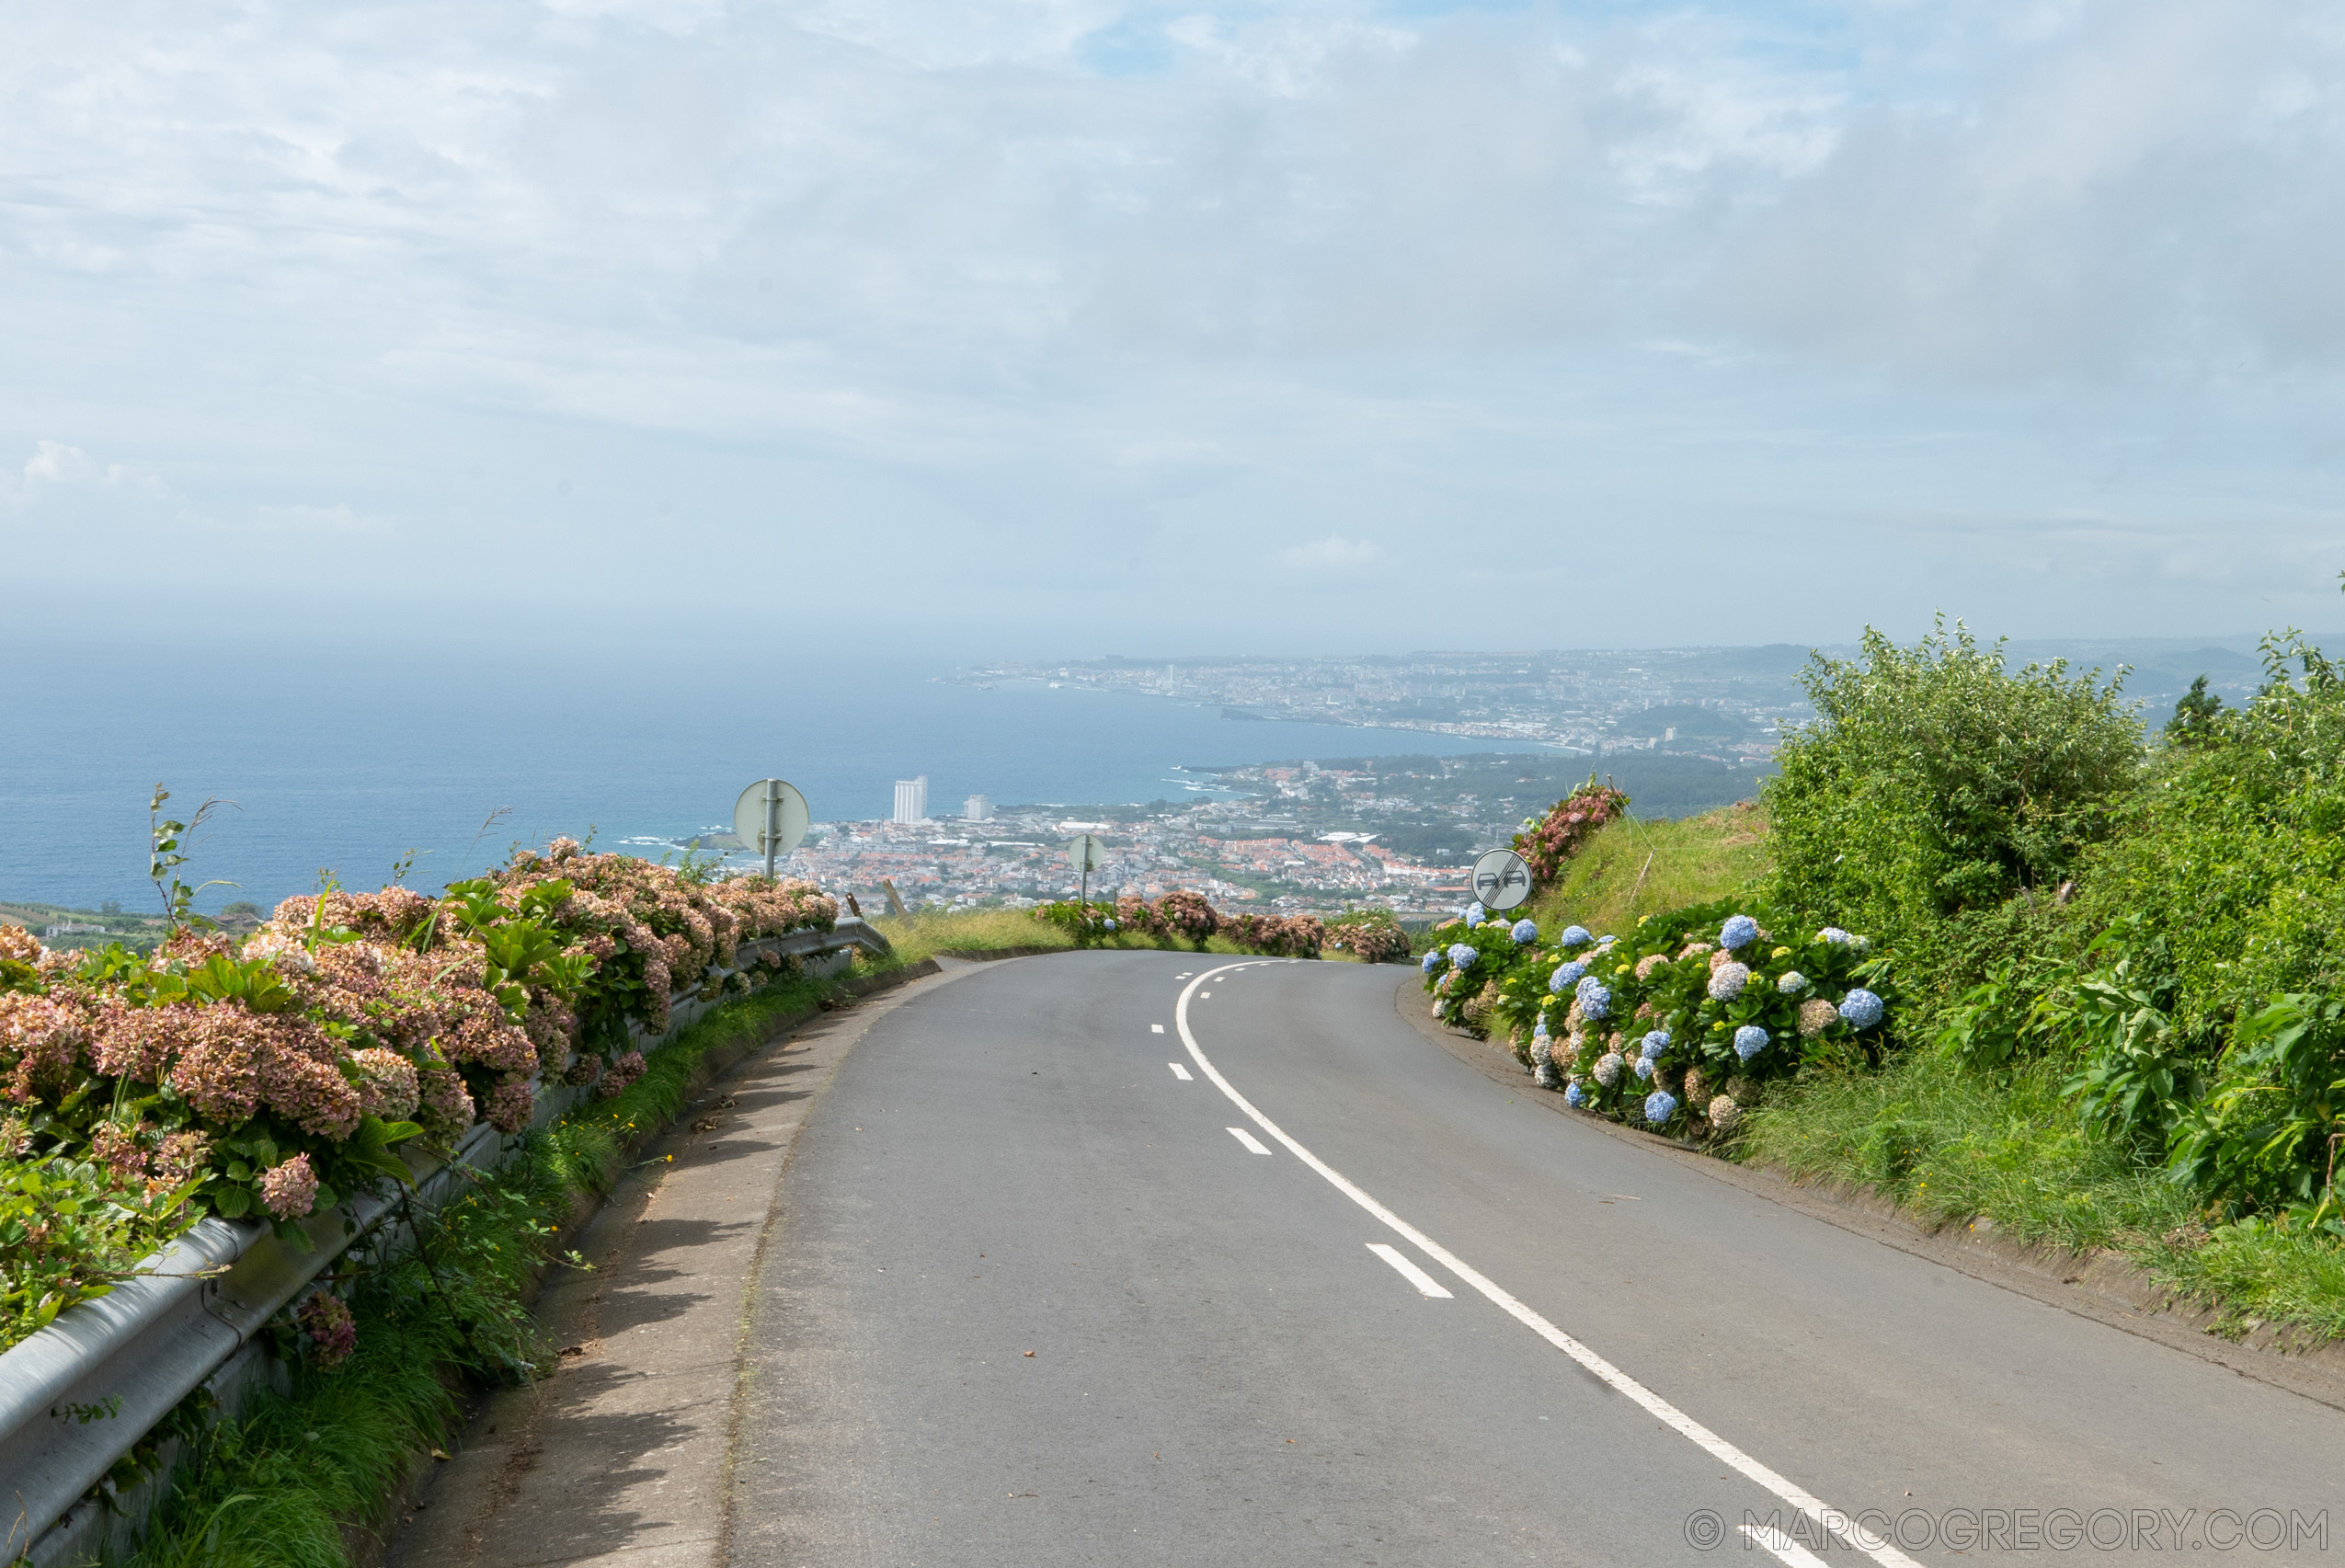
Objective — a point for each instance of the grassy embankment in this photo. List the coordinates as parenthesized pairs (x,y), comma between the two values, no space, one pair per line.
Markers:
(1949,1144)
(926,933)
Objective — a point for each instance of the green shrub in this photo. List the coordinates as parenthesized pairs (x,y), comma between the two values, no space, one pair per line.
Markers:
(1936,782)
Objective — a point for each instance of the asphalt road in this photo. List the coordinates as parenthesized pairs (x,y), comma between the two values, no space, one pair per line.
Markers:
(1032,1302)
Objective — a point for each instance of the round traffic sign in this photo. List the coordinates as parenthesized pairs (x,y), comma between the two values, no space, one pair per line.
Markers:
(1087,854)
(789,817)
(1502,880)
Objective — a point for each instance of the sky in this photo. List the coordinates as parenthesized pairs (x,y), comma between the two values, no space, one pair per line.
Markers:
(686,331)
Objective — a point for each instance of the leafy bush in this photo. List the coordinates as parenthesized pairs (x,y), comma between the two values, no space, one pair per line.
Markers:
(70,1233)
(277,1074)
(1675,1025)
(1371,936)
(1936,782)
(1181,916)
(1545,843)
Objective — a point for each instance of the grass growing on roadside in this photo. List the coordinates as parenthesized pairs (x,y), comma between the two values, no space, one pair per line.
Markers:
(1630,868)
(927,932)
(1948,1144)
(274,1487)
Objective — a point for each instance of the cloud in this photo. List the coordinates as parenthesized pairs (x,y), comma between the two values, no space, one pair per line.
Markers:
(1334,556)
(1148,285)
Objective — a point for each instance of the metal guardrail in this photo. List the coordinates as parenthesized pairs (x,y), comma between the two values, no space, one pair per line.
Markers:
(82,1392)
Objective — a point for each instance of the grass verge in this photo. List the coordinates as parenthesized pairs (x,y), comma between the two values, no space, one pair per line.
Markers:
(1630,868)
(276,1486)
(1947,1145)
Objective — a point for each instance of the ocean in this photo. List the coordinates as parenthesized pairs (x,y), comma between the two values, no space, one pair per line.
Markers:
(345,765)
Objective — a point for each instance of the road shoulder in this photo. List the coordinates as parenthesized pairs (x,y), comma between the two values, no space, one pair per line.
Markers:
(621,1454)
(2104,1286)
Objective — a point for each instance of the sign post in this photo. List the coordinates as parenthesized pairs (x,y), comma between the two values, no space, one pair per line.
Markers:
(1502,880)
(1086,854)
(771,818)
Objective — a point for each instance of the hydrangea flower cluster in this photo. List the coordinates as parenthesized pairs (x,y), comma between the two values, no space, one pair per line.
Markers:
(1594,996)
(1463,956)
(1525,933)
(290,1191)
(255,1062)
(333,1331)
(1701,998)
(1431,960)
(1862,1009)
(1660,1105)
(1574,936)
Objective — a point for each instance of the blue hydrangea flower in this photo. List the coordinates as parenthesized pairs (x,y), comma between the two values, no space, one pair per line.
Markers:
(1594,998)
(1656,1043)
(1727,980)
(1860,1008)
(1792,983)
(1525,932)
(1642,1067)
(1572,1094)
(1740,931)
(1567,977)
(1834,935)
(1606,940)
(1475,914)
(1575,936)
(1749,1040)
(1660,1105)
(1462,954)
(1109,924)
(1433,961)
(1539,1030)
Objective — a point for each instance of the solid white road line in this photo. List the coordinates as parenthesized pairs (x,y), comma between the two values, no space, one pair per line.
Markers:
(1180,1072)
(1249,1140)
(1156,1028)
(1879,1548)
(1783,1546)
(1409,1270)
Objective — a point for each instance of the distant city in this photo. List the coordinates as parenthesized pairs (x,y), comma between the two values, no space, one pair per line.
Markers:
(1682,729)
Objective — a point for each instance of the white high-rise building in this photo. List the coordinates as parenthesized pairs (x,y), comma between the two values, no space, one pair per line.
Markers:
(912,800)
(977,809)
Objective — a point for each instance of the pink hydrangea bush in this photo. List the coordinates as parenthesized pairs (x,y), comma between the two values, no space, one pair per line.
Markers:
(273,1075)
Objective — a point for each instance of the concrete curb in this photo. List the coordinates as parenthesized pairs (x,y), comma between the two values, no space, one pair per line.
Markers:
(82,1392)
(538,1466)
(2106,1286)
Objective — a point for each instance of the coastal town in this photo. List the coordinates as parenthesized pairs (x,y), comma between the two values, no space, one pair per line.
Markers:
(1395,832)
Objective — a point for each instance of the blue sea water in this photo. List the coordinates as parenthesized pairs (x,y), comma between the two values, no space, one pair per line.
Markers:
(346,768)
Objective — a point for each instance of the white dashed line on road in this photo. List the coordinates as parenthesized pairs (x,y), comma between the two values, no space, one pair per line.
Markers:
(1784,1547)
(1180,1072)
(1156,1028)
(1249,1140)
(1834,1520)
(1410,1271)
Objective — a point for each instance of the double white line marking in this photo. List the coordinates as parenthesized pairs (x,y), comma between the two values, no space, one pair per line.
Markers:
(1833,1520)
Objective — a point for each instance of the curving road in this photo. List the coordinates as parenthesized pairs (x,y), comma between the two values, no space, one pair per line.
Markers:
(1141,1257)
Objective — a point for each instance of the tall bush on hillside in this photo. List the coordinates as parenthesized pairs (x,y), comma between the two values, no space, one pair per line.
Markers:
(1936,782)
(2229,867)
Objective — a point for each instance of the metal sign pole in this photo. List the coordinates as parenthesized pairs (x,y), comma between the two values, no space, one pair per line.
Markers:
(772,823)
